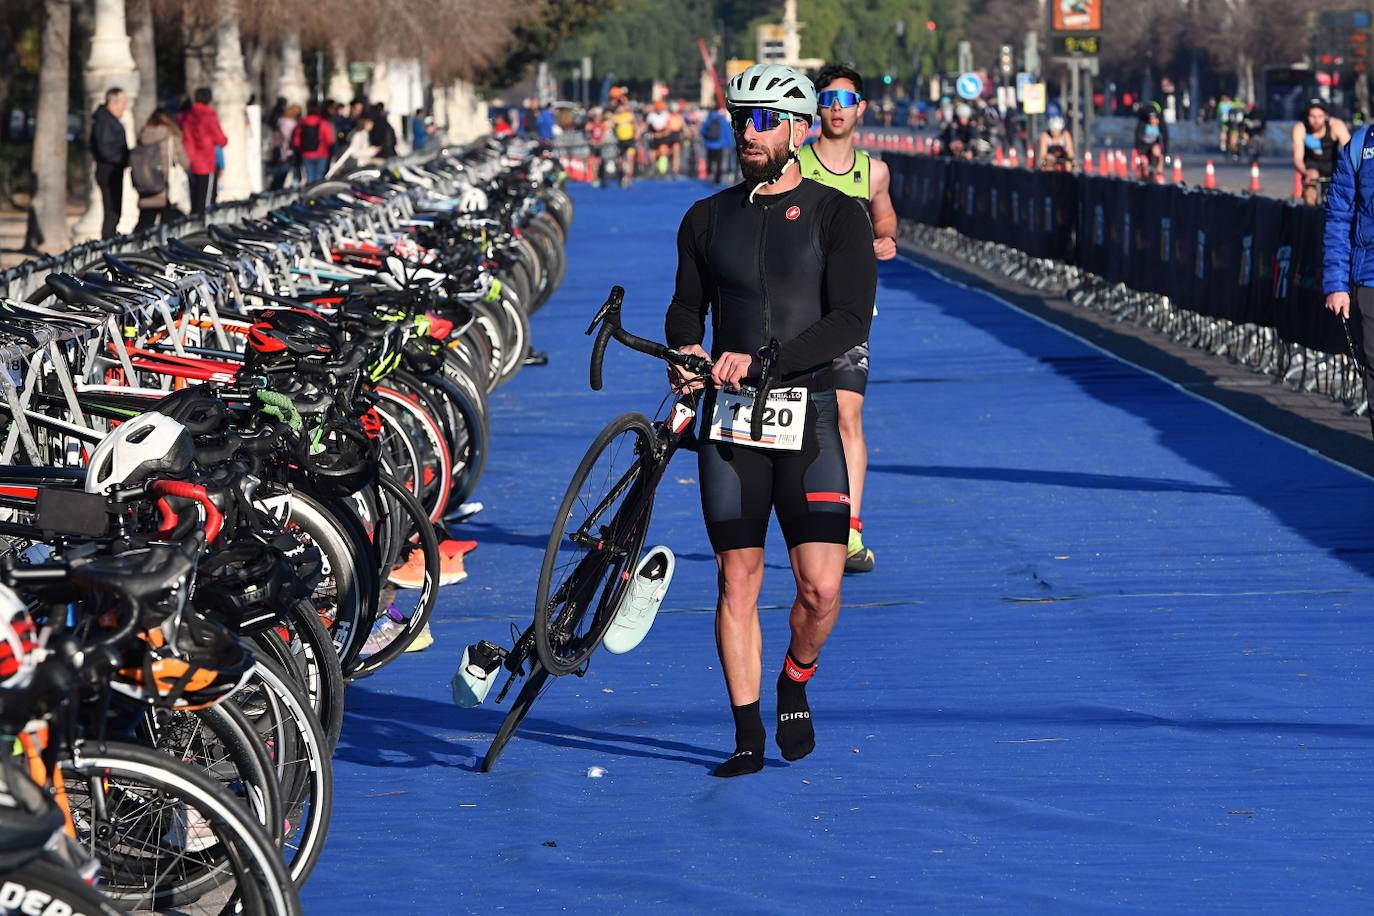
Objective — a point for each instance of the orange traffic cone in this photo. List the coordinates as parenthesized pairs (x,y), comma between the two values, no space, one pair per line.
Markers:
(1254,178)
(1210,180)
(935,147)
(1121,170)
(1297,185)
(1088,162)
(1159,176)
(998,160)
(701,167)
(1012,161)
(1178,170)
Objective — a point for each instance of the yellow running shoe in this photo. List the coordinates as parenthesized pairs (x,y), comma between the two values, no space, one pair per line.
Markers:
(858,558)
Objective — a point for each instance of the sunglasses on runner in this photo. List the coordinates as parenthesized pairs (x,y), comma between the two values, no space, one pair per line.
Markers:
(847,98)
(763,119)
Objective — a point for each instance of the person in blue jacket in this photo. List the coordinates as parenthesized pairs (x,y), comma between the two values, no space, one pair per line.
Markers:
(718,140)
(1348,244)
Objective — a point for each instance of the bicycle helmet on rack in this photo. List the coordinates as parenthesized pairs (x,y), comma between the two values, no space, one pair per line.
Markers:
(188,662)
(18,641)
(150,443)
(197,408)
(295,331)
(246,586)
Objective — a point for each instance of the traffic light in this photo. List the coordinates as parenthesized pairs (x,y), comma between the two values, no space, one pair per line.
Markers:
(930,25)
(1004,61)
(887,79)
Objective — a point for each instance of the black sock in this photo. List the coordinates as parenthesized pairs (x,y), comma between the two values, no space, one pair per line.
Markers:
(796,737)
(749,738)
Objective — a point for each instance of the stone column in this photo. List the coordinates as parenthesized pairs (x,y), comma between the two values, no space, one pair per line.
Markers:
(231,92)
(467,113)
(291,79)
(340,86)
(111,64)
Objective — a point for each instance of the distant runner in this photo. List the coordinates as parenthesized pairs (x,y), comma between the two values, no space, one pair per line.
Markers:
(832,160)
(1316,140)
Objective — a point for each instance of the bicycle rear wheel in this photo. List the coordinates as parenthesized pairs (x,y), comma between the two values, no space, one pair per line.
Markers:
(596,539)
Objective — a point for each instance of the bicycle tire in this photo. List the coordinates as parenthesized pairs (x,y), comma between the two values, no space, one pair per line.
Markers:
(519,708)
(59,884)
(260,875)
(559,649)
(428,542)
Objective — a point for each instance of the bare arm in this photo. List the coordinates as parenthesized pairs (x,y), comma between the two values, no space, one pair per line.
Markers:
(1298,154)
(881,211)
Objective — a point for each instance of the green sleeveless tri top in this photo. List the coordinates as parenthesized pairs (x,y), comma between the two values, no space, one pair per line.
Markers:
(853,182)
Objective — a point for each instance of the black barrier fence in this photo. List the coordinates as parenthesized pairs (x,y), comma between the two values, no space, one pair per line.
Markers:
(1248,260)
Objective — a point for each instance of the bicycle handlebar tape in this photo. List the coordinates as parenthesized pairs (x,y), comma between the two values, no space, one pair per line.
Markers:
(599,354)
(282,407)
(214,521)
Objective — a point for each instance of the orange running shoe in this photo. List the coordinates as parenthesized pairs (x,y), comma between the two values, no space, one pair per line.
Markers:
(411,573)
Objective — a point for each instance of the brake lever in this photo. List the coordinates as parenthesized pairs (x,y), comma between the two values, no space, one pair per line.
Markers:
(768,356)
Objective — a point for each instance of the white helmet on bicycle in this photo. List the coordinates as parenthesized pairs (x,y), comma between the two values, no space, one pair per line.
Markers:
(148,443)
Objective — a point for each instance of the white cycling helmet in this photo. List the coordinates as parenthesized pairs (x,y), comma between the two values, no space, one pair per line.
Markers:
(148,443)
(963,111)
(1055,124)
(781,89)
(772,86)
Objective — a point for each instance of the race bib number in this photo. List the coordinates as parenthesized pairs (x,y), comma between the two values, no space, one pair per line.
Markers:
(784,418)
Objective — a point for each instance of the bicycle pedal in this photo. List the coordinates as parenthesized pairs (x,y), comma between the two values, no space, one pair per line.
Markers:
(476,673)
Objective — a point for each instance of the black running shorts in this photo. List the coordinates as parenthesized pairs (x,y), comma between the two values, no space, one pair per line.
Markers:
(809,489)
(851,369)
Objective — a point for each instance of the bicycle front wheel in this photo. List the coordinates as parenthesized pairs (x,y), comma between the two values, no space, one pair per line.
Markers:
(596,539)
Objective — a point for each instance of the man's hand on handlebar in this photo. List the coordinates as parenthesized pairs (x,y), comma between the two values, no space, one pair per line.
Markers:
(732,368)
(683,380)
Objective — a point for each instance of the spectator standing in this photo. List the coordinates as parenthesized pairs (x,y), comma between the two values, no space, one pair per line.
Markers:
(283,153)
(159,155)
(345,121)
(381,134)
(1347,249)
(312,141)
(110,150)
(202,137)
(419,131)
(546,125)
(718,139)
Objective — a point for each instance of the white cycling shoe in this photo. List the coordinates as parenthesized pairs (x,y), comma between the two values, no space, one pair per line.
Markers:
(639,605)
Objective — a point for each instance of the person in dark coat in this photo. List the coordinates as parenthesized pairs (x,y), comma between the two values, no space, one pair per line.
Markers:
(110,150)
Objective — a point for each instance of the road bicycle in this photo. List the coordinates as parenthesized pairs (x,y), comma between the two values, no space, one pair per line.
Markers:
(590,571)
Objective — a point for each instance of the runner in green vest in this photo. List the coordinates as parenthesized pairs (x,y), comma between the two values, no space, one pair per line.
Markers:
(832,160)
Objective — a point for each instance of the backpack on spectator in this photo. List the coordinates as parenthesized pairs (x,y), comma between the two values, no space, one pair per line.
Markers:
(148,168)
(309,135)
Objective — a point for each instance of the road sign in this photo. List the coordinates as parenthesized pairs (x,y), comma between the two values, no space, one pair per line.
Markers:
(969,86)
(1022,81)
(1033,102)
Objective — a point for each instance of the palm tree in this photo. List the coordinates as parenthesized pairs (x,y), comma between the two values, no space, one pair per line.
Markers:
(48,219)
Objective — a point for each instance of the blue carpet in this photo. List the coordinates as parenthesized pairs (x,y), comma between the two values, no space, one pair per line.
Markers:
(1115,654)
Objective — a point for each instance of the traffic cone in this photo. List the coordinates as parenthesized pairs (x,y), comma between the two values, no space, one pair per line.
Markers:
(998,160)
(1088,162)
(701,167)
(1297,185)
(1210,180)
(1121,171)
(1011,162)
(1135,162)
(935,147)
(1254,178)
(1178,170)
(1159,176)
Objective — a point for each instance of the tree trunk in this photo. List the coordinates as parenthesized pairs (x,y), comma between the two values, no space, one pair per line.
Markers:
(198,35)
(48,216)
(140,16)
(1245,77)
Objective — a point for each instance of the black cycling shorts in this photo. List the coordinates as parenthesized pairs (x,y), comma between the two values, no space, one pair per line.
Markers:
(850,369)
(809,489)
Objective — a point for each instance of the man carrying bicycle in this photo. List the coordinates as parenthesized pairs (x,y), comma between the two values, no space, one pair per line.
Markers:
(776,257)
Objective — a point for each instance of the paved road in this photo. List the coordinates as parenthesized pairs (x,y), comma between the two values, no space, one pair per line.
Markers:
(1115,654)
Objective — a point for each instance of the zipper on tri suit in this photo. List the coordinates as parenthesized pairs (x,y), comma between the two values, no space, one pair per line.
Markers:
(763,278)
